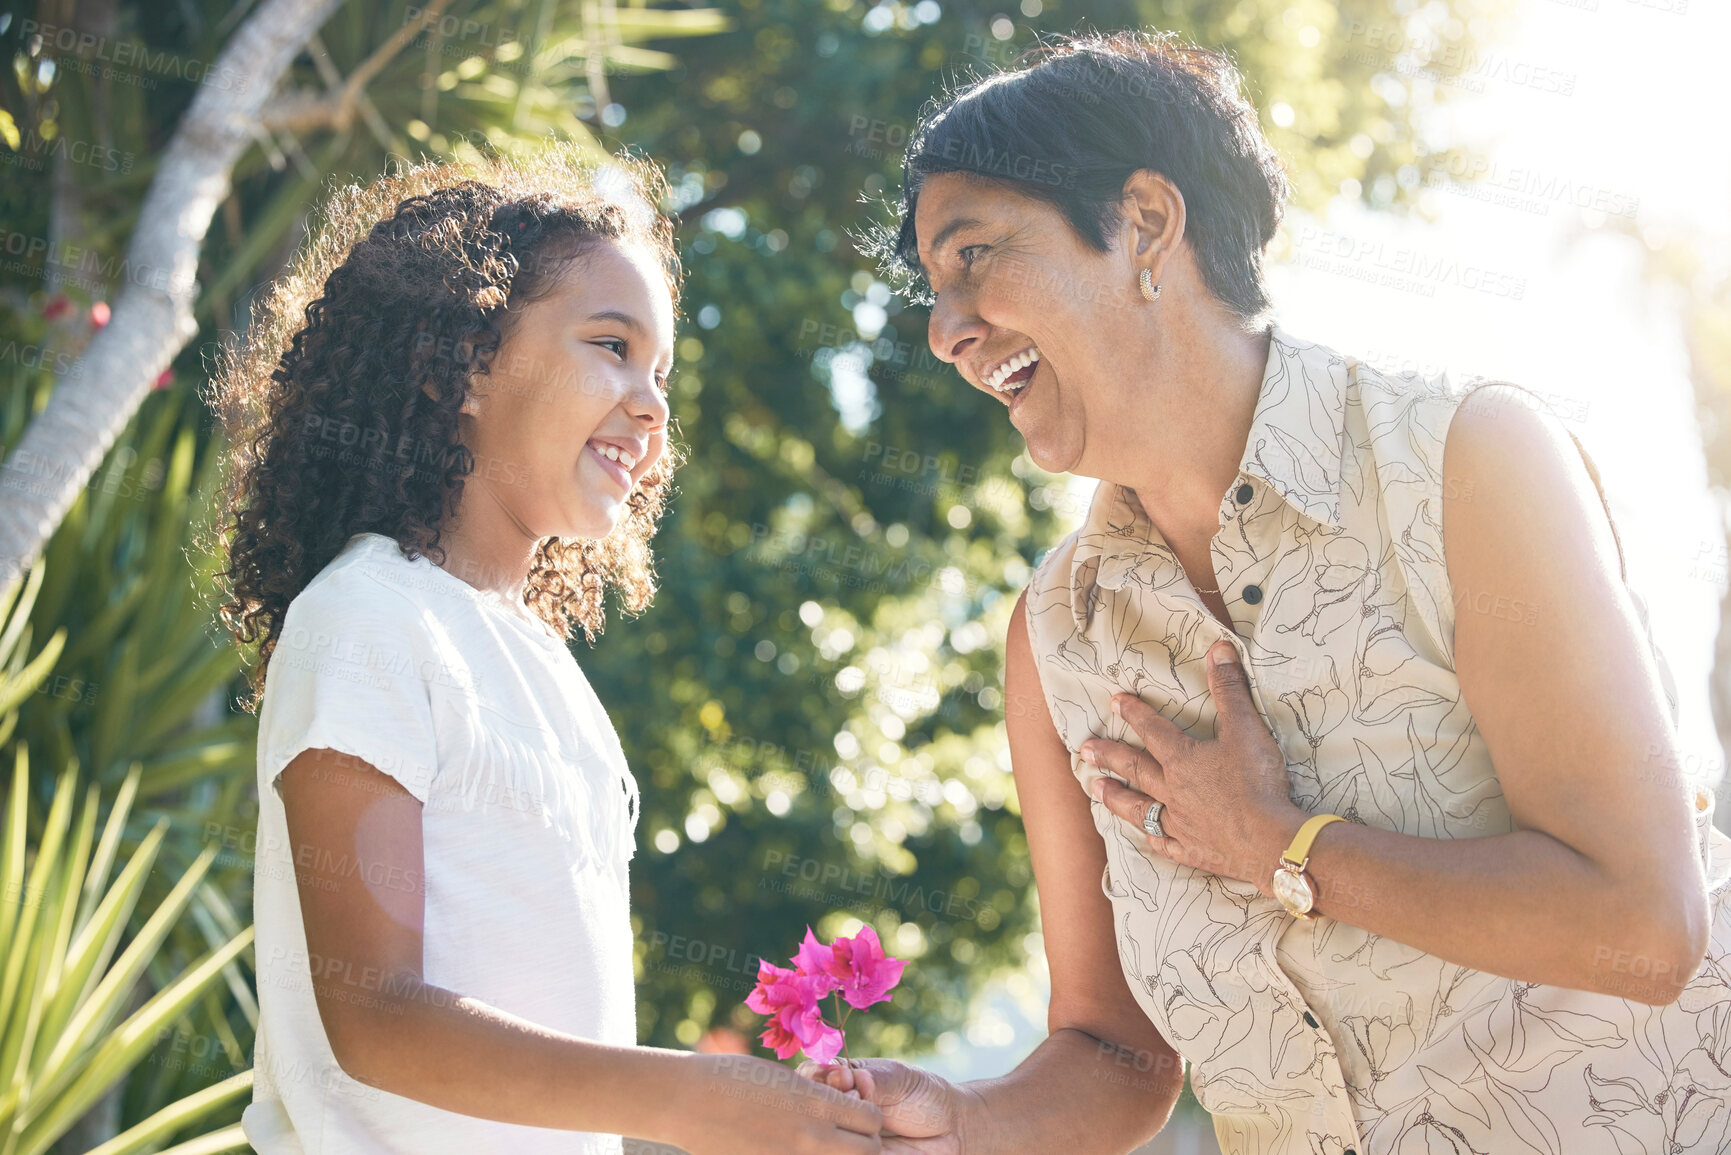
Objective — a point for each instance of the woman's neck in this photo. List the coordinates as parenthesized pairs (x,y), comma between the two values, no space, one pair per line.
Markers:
(1189,443)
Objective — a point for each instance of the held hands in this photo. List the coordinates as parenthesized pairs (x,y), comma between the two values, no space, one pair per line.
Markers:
(922,1112)
(1228,808)
(742,1105)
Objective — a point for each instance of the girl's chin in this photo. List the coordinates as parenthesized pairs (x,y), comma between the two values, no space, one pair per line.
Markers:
(595,519)
(579,514)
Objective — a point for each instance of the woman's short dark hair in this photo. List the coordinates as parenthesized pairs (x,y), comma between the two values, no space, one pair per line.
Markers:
(1076,117)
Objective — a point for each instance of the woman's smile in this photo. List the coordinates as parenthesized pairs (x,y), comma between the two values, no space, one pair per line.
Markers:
(1013,371)
(1018,392)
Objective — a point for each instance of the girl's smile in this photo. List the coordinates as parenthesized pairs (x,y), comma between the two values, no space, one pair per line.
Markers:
(615,460)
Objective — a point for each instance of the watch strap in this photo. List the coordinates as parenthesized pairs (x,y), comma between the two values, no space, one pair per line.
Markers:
(1299,851)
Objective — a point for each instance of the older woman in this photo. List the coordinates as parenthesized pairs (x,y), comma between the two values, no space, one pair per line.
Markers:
(1347,761)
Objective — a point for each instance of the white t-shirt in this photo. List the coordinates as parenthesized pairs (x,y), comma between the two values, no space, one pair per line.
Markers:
(528,822)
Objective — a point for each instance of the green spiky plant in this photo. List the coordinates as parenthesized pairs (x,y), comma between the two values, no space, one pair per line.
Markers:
(67,1035)
(137,683)
(67,897)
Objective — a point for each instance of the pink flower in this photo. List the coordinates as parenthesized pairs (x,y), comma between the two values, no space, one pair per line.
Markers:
(791,999)
(780,1040)
(816,960)
(776,987)
(856,967)
(861,969)
(57,307)
(99,314)
(822,1041)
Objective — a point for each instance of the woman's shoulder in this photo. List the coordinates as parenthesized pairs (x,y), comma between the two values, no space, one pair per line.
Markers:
(1398,425)
(1052,583)
(1408,411)
(1054,563)
(1402,408)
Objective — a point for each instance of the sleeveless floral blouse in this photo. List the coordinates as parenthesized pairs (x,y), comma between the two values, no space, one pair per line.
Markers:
(1317,1037)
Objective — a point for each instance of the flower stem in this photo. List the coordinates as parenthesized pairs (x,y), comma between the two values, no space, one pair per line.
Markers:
(841,1025)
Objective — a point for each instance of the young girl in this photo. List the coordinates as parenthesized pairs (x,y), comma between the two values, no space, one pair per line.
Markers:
(451,432)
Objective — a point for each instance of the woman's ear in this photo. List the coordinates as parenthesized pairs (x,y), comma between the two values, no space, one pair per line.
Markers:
(1153,211)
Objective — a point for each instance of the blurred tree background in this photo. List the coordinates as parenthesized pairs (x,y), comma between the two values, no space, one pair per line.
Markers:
(812,705)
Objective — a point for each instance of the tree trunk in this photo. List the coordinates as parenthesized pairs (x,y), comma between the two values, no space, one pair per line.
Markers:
(152,318)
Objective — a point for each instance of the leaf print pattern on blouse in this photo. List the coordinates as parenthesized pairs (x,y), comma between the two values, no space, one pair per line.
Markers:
(1307,1037)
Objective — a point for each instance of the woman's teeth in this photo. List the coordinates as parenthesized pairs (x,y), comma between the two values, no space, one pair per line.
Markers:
(1000,377)
(614,453)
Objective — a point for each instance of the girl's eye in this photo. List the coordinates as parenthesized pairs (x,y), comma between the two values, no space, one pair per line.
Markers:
(616,345)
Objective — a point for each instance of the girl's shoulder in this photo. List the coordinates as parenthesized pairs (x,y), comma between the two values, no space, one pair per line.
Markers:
(377,563)
(372,572)
(360,667)
(372,607)
(370,580)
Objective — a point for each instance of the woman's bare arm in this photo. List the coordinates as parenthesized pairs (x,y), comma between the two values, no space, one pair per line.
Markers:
(356,839)
(1601,888)
(1104,1080)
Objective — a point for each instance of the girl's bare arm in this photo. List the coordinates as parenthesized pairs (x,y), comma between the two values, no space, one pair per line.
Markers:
(356,838)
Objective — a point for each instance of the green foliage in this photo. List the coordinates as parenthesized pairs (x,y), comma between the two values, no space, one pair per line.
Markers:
(132,582)
(130,695)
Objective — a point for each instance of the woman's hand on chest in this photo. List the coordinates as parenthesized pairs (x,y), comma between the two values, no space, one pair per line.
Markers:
(1226,804)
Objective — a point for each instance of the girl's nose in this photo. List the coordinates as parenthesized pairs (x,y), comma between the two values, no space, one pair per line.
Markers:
(648,403)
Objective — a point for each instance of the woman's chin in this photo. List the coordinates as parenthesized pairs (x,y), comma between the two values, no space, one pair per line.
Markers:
(1052,458)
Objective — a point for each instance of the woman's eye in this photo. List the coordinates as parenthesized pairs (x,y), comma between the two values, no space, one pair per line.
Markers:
(968,254)
(614,344)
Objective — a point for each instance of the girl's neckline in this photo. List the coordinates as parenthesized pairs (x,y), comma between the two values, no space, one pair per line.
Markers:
(517,613)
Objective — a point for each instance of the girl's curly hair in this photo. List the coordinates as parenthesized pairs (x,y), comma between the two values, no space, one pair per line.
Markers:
(341,402)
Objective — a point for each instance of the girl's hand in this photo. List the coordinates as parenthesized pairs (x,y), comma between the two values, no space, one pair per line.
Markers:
(922,1112)
(1228,807)
(743,1105)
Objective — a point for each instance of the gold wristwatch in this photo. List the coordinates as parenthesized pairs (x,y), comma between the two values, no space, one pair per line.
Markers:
(1291,884)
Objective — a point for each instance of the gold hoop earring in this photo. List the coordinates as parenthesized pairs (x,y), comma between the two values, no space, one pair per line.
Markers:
(1150,291)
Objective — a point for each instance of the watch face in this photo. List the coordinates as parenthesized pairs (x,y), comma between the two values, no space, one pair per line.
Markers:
(1293,890)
